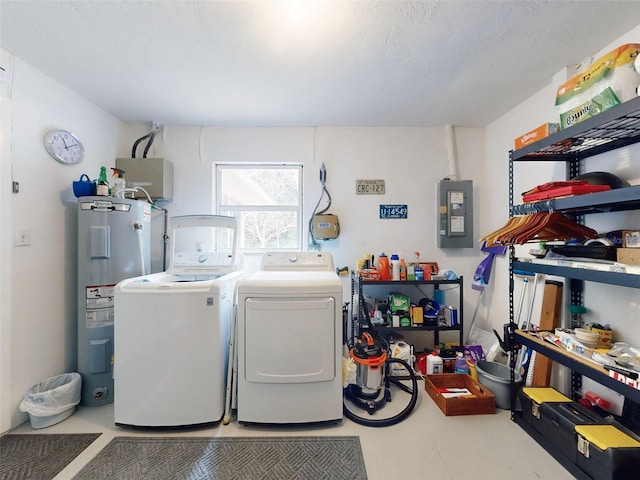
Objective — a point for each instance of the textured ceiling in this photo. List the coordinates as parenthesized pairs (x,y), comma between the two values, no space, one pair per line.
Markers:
(309,63)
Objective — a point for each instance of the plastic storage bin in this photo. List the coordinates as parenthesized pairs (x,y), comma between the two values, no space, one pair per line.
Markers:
(555,417)
(606,453)
(52,400)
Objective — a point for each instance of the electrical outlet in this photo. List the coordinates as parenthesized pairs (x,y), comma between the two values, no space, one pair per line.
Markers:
(21,237)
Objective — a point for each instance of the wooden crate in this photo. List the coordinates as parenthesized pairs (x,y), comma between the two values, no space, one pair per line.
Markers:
(481,400)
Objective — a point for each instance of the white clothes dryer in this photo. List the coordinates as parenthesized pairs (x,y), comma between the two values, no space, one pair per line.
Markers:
(171,329)
(289,336)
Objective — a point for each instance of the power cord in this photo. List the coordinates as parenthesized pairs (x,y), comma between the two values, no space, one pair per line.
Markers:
(151,136)
(323,180)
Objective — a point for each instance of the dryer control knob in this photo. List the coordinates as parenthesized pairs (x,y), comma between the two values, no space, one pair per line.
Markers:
(202,258)
(293,258)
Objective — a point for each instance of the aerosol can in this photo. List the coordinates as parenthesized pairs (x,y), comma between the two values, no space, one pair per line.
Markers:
(118,181)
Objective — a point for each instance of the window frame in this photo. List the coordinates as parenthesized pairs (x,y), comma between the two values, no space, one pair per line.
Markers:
(219,207)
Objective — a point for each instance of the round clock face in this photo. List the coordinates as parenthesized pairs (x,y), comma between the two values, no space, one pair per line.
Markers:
(64,147)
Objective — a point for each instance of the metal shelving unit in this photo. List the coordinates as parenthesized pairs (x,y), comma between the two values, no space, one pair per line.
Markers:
(601,276)
(358,286)
(576,363)
(609,130)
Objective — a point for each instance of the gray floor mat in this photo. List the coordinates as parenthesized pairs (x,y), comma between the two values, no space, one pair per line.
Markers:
(231,458)
(39,456)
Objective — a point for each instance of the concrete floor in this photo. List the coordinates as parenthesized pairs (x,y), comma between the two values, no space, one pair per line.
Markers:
(427,444)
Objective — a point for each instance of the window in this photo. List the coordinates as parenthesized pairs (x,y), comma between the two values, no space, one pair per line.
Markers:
(267,202)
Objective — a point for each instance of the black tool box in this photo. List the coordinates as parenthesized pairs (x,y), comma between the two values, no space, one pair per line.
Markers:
(555,417)
(607,453)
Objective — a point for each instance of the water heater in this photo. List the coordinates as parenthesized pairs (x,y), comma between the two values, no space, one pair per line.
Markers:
(114,238)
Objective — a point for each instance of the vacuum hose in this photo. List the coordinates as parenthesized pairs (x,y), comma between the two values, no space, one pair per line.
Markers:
(404,413)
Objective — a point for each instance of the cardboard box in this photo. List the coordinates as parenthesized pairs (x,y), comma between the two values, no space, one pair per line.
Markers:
(629,256)
(369,274)
(480,401)
(417,315)
(536,134)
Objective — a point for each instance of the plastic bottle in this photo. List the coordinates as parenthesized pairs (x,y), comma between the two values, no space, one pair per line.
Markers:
(383,267)
(103,184)
(434,363)
(403,270)
(395,267)
(419,273)
(461,364)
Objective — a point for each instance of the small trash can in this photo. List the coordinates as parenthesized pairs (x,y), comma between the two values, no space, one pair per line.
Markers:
(52,400)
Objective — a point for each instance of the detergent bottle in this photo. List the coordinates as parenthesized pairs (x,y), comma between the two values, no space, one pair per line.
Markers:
(383,267)
(461,364)
(395,267)
(434,363)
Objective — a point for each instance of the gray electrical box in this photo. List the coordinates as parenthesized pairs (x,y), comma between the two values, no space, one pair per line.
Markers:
(455,214)
(155,175)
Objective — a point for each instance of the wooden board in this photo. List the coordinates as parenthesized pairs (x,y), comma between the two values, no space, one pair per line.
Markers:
(549,320)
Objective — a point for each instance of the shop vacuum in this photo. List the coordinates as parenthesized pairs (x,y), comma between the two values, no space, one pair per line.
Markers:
(373,381)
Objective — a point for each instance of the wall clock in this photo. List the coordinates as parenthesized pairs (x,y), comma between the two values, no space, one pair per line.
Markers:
(64,147)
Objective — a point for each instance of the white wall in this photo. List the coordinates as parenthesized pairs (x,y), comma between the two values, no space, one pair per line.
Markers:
(38,289)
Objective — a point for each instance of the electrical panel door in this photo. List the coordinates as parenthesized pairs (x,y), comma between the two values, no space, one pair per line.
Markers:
(455,214)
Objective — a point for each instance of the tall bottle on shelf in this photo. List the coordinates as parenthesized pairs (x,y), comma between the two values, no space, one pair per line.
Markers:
(103,184)
(395,267)
(383,267)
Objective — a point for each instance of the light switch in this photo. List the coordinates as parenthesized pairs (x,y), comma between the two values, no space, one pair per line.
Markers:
(21,237)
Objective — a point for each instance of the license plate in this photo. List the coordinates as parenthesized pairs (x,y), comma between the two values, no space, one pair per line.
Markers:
(393,211)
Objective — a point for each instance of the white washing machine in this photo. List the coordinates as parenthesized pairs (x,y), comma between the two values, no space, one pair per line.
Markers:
(171,329)
(289,337)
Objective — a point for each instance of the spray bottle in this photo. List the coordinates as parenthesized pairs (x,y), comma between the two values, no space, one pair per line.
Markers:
(118,182)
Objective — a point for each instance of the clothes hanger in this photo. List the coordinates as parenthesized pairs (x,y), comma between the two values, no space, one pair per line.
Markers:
(540,226)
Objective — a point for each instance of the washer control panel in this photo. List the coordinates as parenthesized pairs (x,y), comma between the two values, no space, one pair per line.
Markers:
(201,259)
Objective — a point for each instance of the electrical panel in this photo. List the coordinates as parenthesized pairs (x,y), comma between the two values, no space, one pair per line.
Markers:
(155,175)
(455,214)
